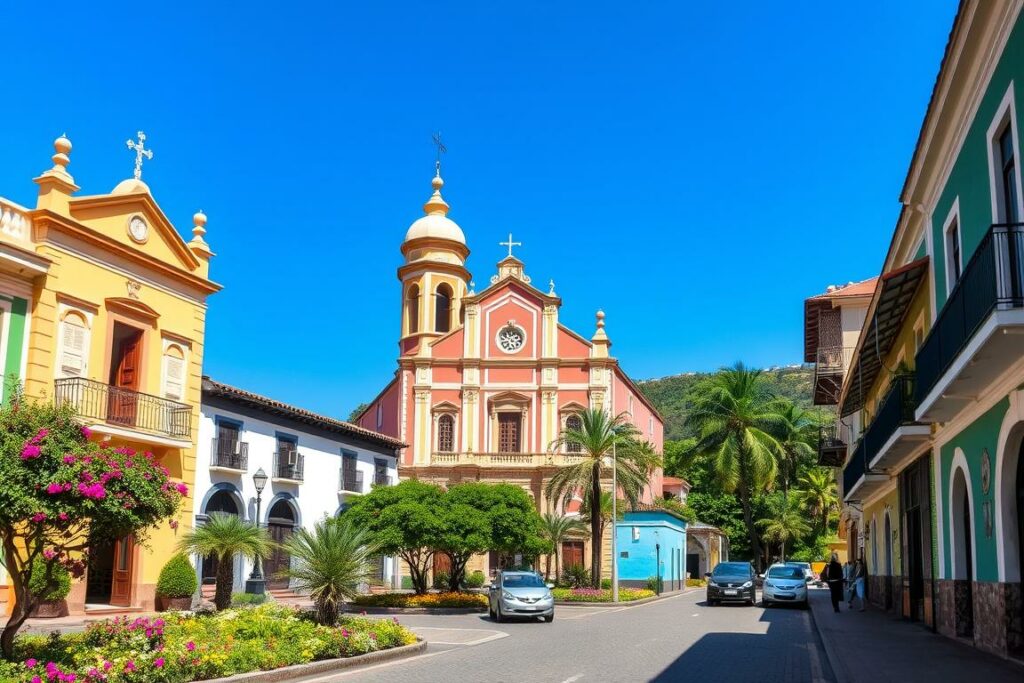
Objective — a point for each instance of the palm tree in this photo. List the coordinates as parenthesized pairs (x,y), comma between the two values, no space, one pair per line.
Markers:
(733,414)
(329,562)
(785,523)
(224,536)
(797,431)
(818,494)
(598,435)
(556,529)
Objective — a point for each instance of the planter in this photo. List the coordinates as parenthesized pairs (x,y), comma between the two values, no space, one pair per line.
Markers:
(50,609)
(174,604)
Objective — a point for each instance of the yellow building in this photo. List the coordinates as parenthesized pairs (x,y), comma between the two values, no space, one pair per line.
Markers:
(117,322)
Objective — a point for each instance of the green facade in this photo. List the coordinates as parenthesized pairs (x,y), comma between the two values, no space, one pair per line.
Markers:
(13,330)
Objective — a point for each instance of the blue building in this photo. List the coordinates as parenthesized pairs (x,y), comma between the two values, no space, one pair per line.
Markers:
(651,542)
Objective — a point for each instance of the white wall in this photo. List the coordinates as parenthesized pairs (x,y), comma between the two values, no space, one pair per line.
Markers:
(315,498)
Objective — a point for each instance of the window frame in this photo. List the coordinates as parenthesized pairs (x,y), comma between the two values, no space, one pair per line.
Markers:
(449,417)
(1005,117)
(86,324)
(953,258)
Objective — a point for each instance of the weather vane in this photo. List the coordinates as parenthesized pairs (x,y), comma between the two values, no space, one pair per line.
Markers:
(140,151)
(441,149)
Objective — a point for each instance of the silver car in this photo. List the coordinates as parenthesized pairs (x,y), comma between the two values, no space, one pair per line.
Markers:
(520,594)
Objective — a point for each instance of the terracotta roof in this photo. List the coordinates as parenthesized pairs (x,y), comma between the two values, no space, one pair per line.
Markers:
(269,405)
(862,288)
(826,300)
(665,479)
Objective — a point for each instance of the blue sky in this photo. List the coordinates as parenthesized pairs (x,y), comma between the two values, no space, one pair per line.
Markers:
(694,169)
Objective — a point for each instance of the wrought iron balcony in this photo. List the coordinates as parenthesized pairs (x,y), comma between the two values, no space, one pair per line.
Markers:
(289,464)
(124,408)
(505,459)
(894,433)
(853,472)
(829,368)
(352,483)
(988,297)
(831,449)
(229,455)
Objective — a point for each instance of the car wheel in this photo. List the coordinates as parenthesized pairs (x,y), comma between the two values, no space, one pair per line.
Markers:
(549,619)
(766,603)
(806,604)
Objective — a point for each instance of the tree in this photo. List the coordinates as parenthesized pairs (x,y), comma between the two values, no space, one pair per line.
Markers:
(558,528)
(357,412)
(61,493)
(478,517)
(818,494)
(224,536)
(402,520)
(736,423)
(329,563)
(798,429)
(785,523)
(596,439)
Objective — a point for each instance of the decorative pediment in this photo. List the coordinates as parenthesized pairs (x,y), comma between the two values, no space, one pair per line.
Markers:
(509,400)
(445,407)
(572,407)
(132,307)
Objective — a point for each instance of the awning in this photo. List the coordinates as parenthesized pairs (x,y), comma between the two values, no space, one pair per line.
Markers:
(895,293)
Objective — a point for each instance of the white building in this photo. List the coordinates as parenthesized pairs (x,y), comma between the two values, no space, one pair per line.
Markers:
(315,465)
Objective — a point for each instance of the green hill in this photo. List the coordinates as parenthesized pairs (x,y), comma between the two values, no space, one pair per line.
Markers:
(669,393)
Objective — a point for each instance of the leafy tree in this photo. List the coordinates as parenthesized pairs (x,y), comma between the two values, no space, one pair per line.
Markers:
(818,494)
(224,536)
(785,523)
(61,493)
(673,505)
(797,431)
(329,562)
(598,436)
(558,528)
(357,411)
(734,414)
(403,520)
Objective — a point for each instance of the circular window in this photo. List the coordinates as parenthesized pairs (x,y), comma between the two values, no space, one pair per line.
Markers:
(511,338)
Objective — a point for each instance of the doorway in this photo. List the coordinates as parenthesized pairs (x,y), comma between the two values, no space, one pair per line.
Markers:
(125,372)
(280,525)
(223,502)
(963,556)
(109,578)
(1016,643)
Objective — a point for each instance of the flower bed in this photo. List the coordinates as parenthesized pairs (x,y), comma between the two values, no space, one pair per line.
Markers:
(180,648)
(599,595)
(426,600)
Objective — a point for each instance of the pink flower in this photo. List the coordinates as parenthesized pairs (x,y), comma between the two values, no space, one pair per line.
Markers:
(106,665)
(95,491)
(39,517)
(30,663)
(54,488)
(159,662)
(69,459)
(49,554)
(182,489)
(63,516)
(37,679)
(30,451)
(86,432)
(129,665)
(190,646)
(173,524)
(40,435)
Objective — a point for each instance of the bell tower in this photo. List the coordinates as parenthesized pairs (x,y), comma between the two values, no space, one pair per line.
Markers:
(434,276)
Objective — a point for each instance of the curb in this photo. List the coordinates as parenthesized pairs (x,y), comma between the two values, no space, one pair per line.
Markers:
(838,672)
(622,603)
(417,610)
(288,673)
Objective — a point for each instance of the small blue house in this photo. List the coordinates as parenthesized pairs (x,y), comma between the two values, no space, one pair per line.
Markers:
(651,542)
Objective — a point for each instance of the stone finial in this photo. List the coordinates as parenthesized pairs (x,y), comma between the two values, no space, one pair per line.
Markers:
(56,185)
(436,204)
(600,319)
(551,288)
(198,243)
(61,159)
(472,287)
(600,338)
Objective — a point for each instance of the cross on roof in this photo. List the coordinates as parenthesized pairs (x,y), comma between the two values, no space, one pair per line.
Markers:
(140,151)
(510,244)
(441,149)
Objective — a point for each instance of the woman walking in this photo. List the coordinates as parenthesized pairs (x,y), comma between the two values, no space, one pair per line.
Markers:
(834,578)
(859,578)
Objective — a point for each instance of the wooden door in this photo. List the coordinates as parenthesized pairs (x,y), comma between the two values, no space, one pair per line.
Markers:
(228,454)
(509,432)
(572,554)
(121,586)
(279,559)
(125,375)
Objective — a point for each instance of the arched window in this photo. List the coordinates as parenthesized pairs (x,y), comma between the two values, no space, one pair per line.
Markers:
(443,308)
(445,434)
(412,307)
(573,423)
(74,346)
(174,372)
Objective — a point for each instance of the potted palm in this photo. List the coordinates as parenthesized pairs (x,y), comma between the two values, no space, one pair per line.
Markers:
(176,585)
(50,587)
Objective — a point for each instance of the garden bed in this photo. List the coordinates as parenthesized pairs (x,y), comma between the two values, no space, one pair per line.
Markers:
(428,601)
(600,595)
(181,648)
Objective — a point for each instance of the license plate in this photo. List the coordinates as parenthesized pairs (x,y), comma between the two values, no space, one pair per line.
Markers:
(731,592)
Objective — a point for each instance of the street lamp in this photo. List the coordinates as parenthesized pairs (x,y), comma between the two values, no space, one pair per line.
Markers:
(257,584)
(657,563)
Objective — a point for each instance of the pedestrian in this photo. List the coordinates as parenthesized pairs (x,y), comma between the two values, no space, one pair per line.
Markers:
(848,582)
(834,577)
(858,577)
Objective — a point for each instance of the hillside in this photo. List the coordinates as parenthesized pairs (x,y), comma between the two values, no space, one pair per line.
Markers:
(669,393)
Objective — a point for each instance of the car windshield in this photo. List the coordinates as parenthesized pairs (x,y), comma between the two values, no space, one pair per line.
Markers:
(805,565)
(522,581)
(791,572)
(732,569)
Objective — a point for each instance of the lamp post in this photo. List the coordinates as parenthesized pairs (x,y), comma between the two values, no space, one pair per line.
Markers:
(657,563)
(256,583)
(615,531)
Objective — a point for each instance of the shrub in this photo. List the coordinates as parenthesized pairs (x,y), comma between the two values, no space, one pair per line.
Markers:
(598,595)
(250,599)
(441,580)
(606,584)
(576,576)
(442,600)
(652,583)
(57,588)
(696,582)
(476,580)
(177,578)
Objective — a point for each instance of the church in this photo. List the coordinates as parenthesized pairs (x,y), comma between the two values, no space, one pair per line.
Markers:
(487,380)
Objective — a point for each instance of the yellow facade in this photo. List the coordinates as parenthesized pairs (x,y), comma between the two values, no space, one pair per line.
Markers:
(117,330)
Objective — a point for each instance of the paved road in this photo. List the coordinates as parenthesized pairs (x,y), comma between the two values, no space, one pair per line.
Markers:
(676,639)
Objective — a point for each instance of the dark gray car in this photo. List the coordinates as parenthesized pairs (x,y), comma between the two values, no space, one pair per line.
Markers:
(732,582)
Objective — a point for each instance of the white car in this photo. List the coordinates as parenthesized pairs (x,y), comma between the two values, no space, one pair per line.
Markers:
(784,583)
(806,566)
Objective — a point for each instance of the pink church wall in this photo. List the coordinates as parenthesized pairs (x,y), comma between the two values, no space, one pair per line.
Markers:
(526,315)
(510,375)
(449,346)
(389,402)
(573,376)
(649,424)
(571,346)
(573,395)
(447,374)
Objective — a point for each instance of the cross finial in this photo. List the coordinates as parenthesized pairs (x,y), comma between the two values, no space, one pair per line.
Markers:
(441,149)
(140,152)
(510,244)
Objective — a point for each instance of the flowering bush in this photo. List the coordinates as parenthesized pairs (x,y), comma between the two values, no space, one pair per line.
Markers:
(62,492)
(599,595)
(423,600)
(181,648)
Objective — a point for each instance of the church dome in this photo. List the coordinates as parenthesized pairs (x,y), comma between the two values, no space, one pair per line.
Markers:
(130,186)
(435,223)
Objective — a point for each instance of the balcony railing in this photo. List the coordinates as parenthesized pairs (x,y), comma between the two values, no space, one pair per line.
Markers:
(353,482)
(230,455)
(124,407)
(381,480)
(993,279)
(897,409)
(506,459)
(854,469)
(288,464)
(830,365)
(831,449)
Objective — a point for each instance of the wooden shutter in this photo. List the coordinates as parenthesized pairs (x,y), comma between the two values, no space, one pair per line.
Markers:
(445,433)
(73,348)
(508,432)
(174,377)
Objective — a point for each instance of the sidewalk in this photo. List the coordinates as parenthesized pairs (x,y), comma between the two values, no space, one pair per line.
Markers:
(877,647)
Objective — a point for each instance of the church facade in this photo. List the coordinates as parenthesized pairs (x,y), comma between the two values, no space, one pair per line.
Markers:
(487,380)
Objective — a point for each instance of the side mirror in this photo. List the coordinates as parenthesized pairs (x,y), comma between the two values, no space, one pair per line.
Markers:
(707,575)
(550,585)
